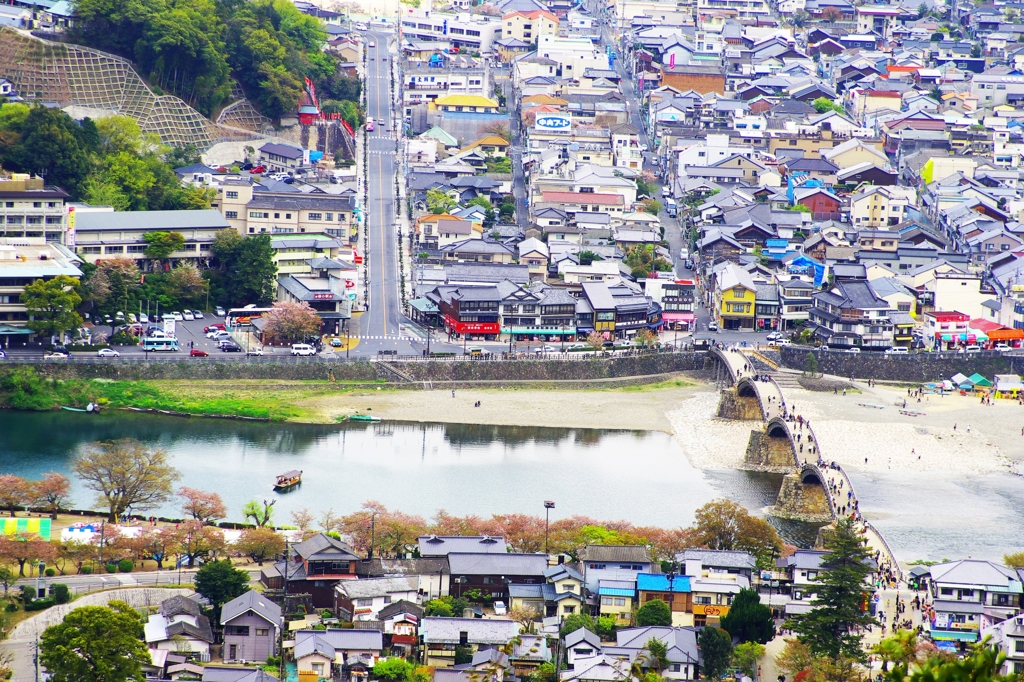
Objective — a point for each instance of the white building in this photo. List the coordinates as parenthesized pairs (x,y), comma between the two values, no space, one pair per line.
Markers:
(365,598)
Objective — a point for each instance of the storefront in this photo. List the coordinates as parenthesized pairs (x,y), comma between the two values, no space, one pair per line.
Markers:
(683,322)
(519,333)
(487,331)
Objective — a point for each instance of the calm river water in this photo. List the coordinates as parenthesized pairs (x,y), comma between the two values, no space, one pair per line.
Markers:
(642,477)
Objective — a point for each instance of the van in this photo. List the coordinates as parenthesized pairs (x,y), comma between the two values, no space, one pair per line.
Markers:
(477,351)
(303,349)
(671,207)
(897,350)
(666,191)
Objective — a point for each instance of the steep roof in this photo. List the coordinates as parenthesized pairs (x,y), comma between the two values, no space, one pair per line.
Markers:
(616,553)
(251,601)
(486,631)
(442,545)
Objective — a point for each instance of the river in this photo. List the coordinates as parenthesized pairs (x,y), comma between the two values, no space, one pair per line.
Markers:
(639,476)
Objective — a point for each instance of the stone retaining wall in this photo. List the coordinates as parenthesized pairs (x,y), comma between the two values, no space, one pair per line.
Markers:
(912,368)
(514,370)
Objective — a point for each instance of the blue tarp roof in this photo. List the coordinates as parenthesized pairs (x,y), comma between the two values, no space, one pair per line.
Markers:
(658,582)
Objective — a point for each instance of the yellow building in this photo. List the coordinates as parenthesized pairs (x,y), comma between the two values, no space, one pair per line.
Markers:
(881,206)
(527,26)
(735,293)
(491,145)
(466,103)
(617,597)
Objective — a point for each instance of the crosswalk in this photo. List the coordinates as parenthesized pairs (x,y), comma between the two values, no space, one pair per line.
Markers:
(384,338)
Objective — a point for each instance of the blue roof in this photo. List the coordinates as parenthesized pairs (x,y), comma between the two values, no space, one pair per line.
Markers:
(658,582)
(615,592)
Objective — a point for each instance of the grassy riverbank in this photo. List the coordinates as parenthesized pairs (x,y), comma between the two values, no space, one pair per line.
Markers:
(641,406)
(23,389)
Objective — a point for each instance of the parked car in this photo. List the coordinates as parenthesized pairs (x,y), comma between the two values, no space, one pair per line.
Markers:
(56,355)
(143,319)
(3,355)
(784,342)
(219,312)
(499,608)
(198,314)
(897,350)
(546,349)
(303,349)
(108,353)
(774,336)
(219,334)
(853,350)
(225,342)
(576,346)
(231,348)
(255,351)
(973,348)
(198,353)
(175,316)
(712,326)
(1001,346)
(187,315)
(213,328)
(258,170)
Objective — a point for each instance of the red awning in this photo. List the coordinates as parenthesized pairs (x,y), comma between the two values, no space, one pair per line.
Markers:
(471,327)
(678,317)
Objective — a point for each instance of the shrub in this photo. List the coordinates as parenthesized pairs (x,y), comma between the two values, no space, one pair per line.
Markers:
(110,568)
(40,604)
(28,593)
(61,593)
(50,572)
(125,566)
(86,570)
(11,607)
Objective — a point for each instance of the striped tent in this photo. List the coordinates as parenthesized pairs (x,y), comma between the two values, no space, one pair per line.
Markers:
(33,526)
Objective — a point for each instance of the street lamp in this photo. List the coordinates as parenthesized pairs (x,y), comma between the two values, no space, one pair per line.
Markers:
(548,506)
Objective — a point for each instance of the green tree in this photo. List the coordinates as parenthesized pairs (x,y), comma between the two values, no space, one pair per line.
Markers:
(95,644)
(392,669)
(220,582)
(261,514)
(50,146)
(823,104)
(830,627)
(160,245)
(441,608)
(716,652)
(488,208)
(810,362)
(51,305)
(746,655)
(748,619)
(439,202)
(1015,560)
(657,654)
(125,474)
(901,649)
(654,612)
(587,257)
(260,544)
(982,664)
(605,626)
(575,621)
(257,273)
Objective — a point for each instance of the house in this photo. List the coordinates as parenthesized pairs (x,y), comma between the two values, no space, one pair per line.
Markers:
(581,643)
(527,26)
(534,254)
(365,598)
(613,562)
(680,644)
(313,567)
(881,206)
(824,204)
(735,295)
(226,674)
(616,599)
(1008,636)
(280,157)
(31,209)
(251,210)
(674,590)
(180,626)
(334,653)
(441,636)
(971,595)
(559,596)
(443,545)
(801,570)
(598,668)
(401,622)
(817,169)
(466,104)
(251,625)
(493,574)
(528,654)
(715,578)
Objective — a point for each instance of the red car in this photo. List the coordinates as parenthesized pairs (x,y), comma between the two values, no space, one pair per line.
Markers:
(212,327)
(258,170)
(196,353)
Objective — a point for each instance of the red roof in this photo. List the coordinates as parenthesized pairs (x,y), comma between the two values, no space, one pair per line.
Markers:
(984,325)
(882,93)
(951,316)
(582,198)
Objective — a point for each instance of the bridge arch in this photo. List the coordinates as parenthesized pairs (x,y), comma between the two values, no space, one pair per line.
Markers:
(726,371)
(748,388)
(778,431)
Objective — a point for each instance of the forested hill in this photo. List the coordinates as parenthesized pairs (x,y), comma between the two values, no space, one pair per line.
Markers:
(193,49)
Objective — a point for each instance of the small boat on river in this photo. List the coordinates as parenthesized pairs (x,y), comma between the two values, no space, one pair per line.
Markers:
(91,407)
(288,480)
(363,418)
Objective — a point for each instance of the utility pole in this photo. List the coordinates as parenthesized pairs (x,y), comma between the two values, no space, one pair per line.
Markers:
(284,617)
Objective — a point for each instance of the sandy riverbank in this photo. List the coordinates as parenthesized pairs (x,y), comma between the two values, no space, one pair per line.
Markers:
(632,408)
(867,433)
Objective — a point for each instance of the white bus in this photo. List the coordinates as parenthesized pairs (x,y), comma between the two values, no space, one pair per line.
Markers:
(155,344)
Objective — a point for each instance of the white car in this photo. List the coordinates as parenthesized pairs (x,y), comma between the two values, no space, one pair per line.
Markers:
(198,314)
(359,27)
(545,349)
(188,315)
(1001,346)
(897,350)
(784,342)
(108,353)
(218,334)
(853,350)
(499,608)
(774,336)
(303,349)
(176,316)
(712,326)
(143,319)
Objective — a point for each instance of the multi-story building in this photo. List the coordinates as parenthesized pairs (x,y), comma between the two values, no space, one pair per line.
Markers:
(851,315)
(881,206)
(744,9)
(467,32)
(970,595)
(122,234)
(735,296)
(528,26)
(473,312)
(537,311)
(20,265)
(256,212)
(30,209)
(617,310)
(613,562)
(946,329)
(442,636)
(427,83)
(795,300)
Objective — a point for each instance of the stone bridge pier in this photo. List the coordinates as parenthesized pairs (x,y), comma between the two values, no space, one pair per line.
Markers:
(774,449)
(805,497)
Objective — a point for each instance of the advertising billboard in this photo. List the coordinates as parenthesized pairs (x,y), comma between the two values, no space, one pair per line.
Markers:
(554,122)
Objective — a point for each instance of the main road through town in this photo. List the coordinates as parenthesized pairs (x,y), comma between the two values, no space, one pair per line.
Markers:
(381,326)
